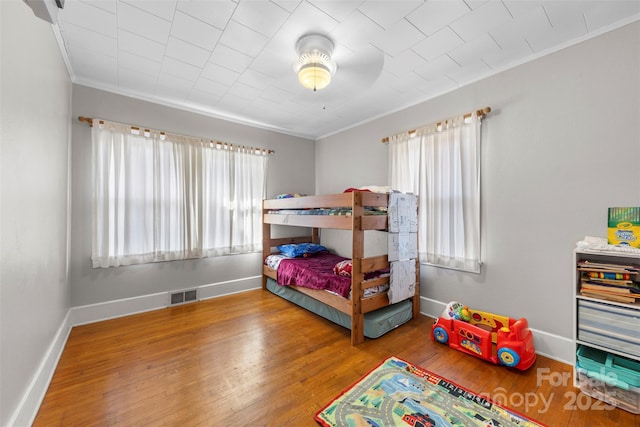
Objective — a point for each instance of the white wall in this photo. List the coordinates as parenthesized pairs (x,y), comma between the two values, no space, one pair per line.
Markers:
(561,145)
(291,168)
(35,135)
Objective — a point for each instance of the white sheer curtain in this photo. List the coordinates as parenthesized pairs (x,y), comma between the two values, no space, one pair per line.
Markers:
(160,197)
(441,163)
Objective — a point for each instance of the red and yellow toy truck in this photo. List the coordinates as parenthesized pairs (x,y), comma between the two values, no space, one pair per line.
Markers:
(498,339)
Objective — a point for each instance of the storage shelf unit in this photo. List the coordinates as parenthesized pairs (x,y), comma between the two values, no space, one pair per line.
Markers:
(605,326)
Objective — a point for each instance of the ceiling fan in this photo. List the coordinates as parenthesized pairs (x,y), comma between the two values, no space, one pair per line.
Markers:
(333,71)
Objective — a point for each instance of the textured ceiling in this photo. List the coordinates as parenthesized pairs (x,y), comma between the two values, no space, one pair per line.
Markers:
(234,59)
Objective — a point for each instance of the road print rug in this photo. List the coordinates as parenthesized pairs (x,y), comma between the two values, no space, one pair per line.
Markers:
(398,393)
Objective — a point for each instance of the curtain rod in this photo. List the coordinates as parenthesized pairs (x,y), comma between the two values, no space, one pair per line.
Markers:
(89,121)
(481,112)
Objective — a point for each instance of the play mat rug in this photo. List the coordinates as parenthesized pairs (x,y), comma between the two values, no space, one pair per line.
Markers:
(397,393)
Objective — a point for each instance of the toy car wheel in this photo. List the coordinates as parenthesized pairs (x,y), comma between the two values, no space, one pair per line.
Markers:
(508,357)
(441,335)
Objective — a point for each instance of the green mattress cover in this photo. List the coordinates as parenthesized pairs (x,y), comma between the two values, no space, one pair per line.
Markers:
(376,323)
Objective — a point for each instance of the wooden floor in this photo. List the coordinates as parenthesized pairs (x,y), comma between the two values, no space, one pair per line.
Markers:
(256,359)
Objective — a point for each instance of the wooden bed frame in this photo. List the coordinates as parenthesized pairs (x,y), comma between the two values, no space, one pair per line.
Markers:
(357,222)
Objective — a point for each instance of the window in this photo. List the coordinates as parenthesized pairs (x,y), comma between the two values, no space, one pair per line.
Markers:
(441,164)
(161,197)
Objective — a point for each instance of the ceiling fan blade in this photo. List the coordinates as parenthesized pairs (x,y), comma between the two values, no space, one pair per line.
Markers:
(356,72)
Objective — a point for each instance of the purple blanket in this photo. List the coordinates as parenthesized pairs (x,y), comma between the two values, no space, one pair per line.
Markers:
(315,272)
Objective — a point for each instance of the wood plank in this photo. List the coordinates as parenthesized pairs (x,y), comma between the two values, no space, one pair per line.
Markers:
(357,276)
(269,272)
(416,295)
(333,300)
(375,263)
(374,199)
(374,222)
(374,282)
(266,246)
(341,222)
(254,358)
(375,302)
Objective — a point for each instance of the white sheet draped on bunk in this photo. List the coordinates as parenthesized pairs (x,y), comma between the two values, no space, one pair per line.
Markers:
(402,212)
(402,283)
(402,245)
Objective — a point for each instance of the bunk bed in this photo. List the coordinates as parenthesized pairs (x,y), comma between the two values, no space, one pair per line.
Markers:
(357,211)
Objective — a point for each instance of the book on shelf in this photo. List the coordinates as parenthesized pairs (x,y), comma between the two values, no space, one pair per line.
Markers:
(610,296)
(611,289)
(587,278)
(632,269)
(609,281)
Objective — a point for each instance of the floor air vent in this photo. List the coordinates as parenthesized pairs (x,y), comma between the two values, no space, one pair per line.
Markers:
(181,297)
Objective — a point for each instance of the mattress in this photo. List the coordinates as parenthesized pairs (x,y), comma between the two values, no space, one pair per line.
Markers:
(376,323)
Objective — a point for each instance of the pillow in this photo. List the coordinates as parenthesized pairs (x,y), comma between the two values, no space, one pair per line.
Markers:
(343,268)
(301,249)
(273,261)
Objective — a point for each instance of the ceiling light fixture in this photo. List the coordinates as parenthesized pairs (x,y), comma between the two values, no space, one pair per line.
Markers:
(315,66)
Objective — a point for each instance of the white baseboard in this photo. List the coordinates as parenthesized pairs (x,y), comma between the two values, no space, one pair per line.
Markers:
(91,313)
(549,345)
(27,409)
(229,287)
(555,347)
